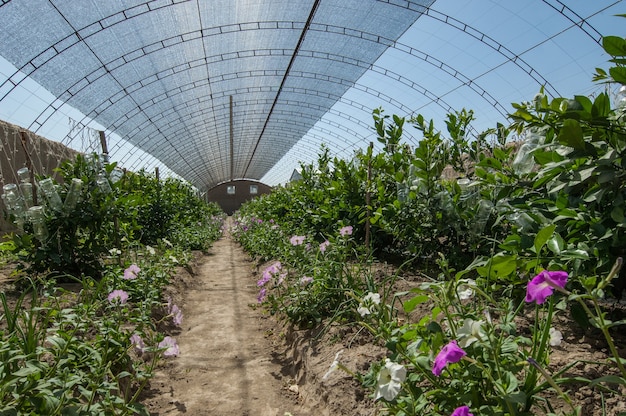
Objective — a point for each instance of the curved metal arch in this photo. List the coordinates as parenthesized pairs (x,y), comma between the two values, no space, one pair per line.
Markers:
(247,53)
(147,49)
(577,20)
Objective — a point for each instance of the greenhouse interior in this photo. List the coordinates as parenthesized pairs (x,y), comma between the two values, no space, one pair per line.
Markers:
(313,207)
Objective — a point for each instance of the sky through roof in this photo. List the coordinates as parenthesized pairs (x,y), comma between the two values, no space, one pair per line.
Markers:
(163,77)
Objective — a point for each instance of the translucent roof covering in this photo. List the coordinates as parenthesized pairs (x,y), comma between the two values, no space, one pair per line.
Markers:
(214,90)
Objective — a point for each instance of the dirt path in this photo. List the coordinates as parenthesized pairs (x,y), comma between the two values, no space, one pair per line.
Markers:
(228,364)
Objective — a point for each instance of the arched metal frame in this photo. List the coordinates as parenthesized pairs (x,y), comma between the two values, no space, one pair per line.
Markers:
(286,92)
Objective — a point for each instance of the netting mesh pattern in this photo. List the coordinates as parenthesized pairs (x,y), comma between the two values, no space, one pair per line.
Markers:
(167,75)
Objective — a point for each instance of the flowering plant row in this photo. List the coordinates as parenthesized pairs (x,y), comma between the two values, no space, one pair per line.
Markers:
(516,236)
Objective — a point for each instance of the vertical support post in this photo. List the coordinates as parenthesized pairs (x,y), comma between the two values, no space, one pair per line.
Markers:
(29,163)
(103,143)
(368,199)
(232,155)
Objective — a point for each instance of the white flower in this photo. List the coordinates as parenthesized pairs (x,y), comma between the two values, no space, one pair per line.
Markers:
(555,337)
(115,251)
(470,332)
(173,259)
(390,380)
(333,366)
(150,250)
(366,305)
(464,290)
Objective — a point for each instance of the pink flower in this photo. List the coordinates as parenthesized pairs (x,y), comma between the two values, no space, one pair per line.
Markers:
(132,272)
(543,285)
(451,353)
(137,341)
(324,246)
(347,230)
(461,411)
(171,346)
(297,240)
(118,295)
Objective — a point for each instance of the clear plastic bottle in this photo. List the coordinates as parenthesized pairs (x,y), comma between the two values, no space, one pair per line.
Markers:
(14,203)
(37,218)
(73,194)
(54,200)
(482,215)
(26,187)
(103,184)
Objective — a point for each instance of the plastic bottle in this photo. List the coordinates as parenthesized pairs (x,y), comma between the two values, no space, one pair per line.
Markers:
(73,194)
(38,220)
(54,200)
(103,184)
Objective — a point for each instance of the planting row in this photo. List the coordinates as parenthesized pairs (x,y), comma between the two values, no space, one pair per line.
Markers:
(85,317)
(507,230)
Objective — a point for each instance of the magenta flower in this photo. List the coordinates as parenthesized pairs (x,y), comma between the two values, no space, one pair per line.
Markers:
(131,272)
(451,353)
(118,295)
(324,246)
(137,341)
(171,347)
(347,230)
(462,411)
(543,285)
(297,240)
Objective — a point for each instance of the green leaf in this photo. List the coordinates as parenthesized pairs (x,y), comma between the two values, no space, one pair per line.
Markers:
(543,236)
(617,214)
(412,303)
(607,379)
(614,45)
(556,244)
(618,74)
(571,134)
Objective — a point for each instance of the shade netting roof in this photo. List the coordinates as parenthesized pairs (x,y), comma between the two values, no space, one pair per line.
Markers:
(214,90)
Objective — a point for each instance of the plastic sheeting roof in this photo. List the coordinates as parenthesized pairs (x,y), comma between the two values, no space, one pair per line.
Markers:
(215,90)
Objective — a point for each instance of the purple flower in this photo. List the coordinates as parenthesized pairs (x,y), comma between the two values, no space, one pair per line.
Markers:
(451,353)
(132,272)
(171,347)
(461,411)
(297,240)
(262,294)
(137,341)
(177,315)
(347,230)
(274,268)
(305,280)
(118,295)
(543,285)
(263,280)
(324,246)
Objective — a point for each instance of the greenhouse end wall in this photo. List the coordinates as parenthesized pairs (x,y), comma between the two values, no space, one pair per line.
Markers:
(230,195)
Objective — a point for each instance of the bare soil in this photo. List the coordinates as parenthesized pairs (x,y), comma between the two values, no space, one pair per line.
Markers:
(237,360)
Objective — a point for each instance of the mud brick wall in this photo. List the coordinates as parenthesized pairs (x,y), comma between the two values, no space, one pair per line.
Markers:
(45,155)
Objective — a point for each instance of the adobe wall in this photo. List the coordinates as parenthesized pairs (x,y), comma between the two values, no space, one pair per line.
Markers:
(44,154)
(231,202)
